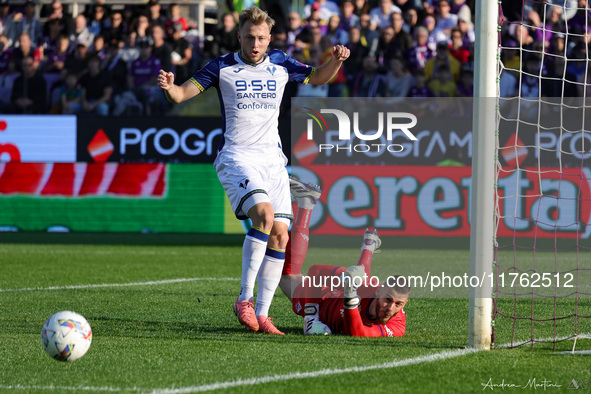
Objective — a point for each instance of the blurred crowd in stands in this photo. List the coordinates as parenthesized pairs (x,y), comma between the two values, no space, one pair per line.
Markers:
(104,61)
(544,49)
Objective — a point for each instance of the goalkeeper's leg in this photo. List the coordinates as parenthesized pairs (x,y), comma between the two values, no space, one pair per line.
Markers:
(306,196)
(371,243)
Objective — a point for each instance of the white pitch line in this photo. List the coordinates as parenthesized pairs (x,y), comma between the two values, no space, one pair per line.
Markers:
(67,388)
(99,285)
(100,252)
(260,380)
(543,340)
(314,374)
(272,378)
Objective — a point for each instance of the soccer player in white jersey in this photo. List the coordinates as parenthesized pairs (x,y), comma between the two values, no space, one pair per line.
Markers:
(250,162)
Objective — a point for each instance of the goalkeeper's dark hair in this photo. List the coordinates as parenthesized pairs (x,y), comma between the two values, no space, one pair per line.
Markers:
(397,286)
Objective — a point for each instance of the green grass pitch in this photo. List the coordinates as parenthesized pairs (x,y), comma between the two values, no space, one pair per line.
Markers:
(182,337)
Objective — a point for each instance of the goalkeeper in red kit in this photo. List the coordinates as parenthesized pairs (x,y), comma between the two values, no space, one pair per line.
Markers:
(334,299)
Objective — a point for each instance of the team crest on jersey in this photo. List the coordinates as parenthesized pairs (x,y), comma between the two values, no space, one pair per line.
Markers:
(244,183)
(298,307)
(272,69)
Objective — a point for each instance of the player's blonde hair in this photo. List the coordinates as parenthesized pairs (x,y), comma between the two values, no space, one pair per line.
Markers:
(256,16)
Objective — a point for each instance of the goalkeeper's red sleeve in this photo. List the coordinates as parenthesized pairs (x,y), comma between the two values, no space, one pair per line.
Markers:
(354,326)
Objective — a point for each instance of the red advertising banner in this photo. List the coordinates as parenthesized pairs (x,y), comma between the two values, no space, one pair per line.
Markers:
(434,201)
(142,180)
(111,197)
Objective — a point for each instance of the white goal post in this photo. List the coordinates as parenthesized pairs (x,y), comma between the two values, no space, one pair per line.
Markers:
(483,171)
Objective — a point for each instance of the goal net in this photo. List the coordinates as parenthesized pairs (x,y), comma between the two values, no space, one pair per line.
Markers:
(542,259)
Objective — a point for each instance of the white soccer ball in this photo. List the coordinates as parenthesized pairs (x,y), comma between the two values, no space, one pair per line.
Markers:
(66,336)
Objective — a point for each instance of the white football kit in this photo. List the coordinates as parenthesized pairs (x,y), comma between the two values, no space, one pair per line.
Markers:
(250,162)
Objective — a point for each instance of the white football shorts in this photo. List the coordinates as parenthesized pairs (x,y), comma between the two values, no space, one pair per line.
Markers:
(248,184)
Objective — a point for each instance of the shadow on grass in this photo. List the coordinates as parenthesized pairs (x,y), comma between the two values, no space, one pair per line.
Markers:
(128,328)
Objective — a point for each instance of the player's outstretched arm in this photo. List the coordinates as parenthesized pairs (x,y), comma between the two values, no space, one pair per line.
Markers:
(352,279)
(175,93)
(354,325)
(328,71)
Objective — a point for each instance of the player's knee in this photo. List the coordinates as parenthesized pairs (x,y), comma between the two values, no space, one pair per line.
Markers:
(281,240)
(267,220)
(262,216)
(279,236)
(277,241)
